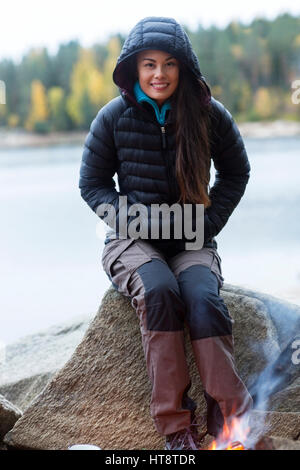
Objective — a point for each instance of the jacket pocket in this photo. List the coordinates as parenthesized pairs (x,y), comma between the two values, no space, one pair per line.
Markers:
(112,251)
(121,259)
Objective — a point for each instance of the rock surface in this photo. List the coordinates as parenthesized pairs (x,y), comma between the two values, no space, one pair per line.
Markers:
(101,394)
(277,443)
(32,361)
(9,414)
(286,424)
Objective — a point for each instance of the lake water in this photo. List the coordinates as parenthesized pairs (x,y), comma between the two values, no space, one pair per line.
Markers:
(51,241)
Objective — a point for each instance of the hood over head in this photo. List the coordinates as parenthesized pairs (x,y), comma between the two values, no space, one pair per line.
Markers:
(157,33)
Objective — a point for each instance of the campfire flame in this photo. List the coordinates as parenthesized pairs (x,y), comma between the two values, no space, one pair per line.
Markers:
(233,435)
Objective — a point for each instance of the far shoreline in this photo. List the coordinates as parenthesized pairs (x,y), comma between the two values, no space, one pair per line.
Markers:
(20,138)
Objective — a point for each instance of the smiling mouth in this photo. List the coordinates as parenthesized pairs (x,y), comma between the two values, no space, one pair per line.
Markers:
(159,86)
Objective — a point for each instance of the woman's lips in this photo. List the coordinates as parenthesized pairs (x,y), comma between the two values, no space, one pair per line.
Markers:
(159,86)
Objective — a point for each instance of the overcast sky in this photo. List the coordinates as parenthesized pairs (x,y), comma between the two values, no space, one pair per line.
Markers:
(35,23)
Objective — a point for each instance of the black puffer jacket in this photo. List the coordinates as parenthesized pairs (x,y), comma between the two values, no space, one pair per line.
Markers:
(125,138)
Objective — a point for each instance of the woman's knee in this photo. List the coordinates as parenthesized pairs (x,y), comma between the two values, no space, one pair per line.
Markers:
(206,313)
(162,300)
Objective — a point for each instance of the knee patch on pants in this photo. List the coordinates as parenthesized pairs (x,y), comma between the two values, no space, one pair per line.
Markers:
(164,307)
(206,312)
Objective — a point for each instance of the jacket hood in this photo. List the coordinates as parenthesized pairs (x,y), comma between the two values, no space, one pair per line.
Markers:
(155,33)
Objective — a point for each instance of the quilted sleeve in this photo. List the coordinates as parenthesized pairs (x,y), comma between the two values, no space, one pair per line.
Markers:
(232,170)
(98,167)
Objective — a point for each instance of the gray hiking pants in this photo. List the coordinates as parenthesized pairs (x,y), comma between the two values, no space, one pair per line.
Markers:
(166,293)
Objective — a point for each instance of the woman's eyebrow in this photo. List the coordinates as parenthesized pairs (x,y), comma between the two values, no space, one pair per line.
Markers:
(153,60)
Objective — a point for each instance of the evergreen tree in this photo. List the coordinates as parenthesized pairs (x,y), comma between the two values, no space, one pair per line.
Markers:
(59,119)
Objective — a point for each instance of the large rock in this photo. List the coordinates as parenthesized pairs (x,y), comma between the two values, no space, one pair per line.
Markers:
(9,414)
(287,399)
(101,395)
(284,315)
(286,425)
(277,443)
(31,361)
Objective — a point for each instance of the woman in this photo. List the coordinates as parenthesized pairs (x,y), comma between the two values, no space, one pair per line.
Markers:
(160,136)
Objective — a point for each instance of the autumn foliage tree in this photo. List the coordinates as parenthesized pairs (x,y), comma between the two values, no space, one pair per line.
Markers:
(38,111)
(87,92)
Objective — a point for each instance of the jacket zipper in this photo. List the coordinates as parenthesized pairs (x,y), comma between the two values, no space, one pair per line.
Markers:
(164,147)
(163,135)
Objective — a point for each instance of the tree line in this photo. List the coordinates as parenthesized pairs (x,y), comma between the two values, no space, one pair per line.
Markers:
(250,69)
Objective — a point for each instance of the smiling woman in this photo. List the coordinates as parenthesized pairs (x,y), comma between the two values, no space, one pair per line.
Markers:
(160,136)
(158,74)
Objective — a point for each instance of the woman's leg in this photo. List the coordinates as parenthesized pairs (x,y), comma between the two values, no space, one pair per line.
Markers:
(199,277)
(141,273)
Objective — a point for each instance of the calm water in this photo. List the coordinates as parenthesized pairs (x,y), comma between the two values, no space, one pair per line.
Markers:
(51,241)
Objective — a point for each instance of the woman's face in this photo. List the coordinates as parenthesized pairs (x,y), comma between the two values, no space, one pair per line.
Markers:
(158,74)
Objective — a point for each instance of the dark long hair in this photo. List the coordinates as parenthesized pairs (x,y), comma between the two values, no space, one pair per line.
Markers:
(191,106)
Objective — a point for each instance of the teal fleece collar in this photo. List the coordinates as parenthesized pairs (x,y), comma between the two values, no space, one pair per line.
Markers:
(141,96)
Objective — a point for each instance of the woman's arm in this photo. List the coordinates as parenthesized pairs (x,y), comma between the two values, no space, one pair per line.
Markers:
(232,170)
(99,161)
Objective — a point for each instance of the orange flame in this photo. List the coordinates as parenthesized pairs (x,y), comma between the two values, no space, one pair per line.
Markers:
(234,433)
